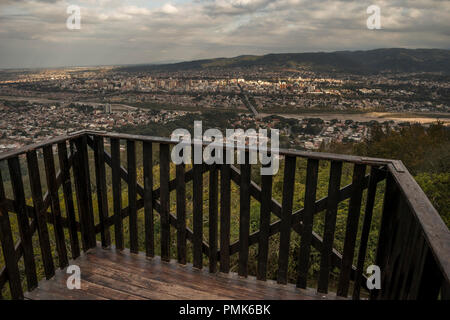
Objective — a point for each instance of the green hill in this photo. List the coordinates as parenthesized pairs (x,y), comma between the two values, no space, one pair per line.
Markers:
(356,62)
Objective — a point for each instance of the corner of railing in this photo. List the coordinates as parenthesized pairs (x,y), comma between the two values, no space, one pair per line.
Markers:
(434,229)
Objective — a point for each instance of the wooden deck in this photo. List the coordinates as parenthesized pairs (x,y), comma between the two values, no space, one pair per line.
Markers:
(113,275)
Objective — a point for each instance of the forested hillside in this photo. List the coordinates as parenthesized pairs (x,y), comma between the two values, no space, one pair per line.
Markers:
(424,151)
(356,62)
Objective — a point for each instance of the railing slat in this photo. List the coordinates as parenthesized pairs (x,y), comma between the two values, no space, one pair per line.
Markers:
(39,214)
(264,226)
(390,203)
(445,291)
(117,193)
(420,255)
(8,249)
(213,203)
(286,218)
(394,250)
(225,196)
(244,217)
(399,254)
(354,211)
(330,225)
(102,195)
(148,198)
(81,201)
(181,213)
(68,199)
(370,202)
(198,215)
(132,194)
(165,199)
(82,146)
(312,171)
(84,195)
(431,281)
(50,173)
(409,261)
(22,218)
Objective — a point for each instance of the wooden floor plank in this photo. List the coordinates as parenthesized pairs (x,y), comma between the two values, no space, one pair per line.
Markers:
(121,275)
(172,274)
(55,289)
(227,286)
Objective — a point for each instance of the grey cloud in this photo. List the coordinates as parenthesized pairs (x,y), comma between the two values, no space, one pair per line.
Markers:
(234,7)
(121,32)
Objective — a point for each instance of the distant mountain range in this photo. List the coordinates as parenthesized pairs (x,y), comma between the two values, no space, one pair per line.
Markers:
(353,62)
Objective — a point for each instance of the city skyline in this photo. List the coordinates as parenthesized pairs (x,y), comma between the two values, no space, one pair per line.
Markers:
(34,33)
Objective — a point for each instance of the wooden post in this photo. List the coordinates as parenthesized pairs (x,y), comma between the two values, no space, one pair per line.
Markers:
(244,217)
(87,180)
(83,189)
(213,211)
(308,218)
(354,211)
(264,226)
(431,281)
(102,195)
(24,224)
(164,166)
(148,199)
(68,198)
(39,214)
(390,203)
(56,209)
(330,225)
(198,215)
(370,202)
(9,253)
(225,181)
(286,218)
(132,194)
(181,213)
(117,193)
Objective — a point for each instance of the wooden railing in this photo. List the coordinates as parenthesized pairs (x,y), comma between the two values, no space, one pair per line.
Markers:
(413,245)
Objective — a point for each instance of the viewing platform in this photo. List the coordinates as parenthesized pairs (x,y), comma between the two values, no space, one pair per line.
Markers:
(77,200)
(114,274)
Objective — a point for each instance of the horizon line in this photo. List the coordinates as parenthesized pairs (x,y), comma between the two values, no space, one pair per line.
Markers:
(200,59)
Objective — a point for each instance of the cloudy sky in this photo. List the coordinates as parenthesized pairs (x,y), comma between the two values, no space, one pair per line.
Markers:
(33,33)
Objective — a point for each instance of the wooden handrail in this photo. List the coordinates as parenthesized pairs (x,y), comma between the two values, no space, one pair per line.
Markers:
(423,250)
(434,229)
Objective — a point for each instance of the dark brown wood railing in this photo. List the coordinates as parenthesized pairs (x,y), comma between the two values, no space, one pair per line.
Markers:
(413,245)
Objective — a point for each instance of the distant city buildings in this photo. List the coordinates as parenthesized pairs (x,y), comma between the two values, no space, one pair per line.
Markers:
(45,103)
(271,89)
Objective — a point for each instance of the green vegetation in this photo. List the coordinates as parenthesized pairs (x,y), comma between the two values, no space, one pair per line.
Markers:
(210,119)
(424,151)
